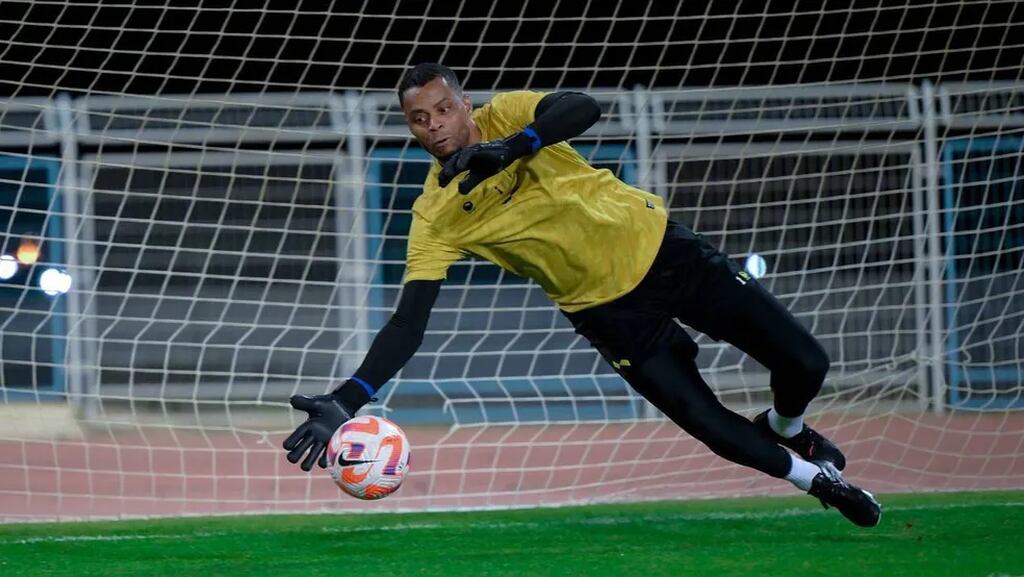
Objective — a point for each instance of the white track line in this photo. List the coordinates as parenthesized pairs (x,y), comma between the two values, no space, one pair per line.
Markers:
(126,537)
(617,520)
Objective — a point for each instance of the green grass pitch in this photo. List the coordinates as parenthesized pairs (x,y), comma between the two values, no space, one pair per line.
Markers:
(937,534)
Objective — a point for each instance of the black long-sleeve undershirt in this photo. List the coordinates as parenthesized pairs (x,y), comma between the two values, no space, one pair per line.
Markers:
(399,339)
(558,116)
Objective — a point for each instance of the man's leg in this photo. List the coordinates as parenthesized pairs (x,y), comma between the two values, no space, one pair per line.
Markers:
(656,357)
(733,307)
(670,380)
(750,318)
(709,292)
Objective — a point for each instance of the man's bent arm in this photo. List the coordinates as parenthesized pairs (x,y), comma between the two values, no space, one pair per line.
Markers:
(559,116)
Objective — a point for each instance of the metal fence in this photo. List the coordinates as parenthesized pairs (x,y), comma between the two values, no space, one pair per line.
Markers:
(225,246)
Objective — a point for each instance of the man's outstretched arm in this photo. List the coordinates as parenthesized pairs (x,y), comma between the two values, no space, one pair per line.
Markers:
(392,348)
(559,116)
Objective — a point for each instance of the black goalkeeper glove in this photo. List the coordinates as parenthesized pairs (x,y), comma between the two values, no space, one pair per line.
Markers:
(326,414)
(483,160)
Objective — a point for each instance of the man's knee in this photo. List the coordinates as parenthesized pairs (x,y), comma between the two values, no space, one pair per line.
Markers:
(807,370)
(814,363)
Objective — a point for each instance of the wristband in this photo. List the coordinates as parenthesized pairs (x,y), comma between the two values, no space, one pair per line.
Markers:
(366,386)
(535,143)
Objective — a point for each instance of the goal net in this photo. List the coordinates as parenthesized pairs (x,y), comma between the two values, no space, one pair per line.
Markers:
(205,210)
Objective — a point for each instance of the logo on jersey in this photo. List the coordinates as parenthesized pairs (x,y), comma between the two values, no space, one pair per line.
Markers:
(743,277)
(650,204)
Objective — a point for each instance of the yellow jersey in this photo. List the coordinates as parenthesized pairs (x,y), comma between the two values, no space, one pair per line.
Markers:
(580,233)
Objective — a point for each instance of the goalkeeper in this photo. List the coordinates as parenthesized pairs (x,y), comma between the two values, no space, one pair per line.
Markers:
(508,188)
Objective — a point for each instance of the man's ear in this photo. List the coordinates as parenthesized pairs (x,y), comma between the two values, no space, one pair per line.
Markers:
(467,103)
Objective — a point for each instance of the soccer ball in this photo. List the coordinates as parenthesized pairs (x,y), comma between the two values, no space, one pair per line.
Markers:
(368,457)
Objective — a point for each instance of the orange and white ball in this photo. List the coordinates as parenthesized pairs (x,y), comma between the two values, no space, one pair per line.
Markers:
(368,457)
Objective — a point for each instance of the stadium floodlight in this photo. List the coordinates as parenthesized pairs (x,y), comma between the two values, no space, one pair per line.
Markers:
(28,252)
(54,281)
(756,266)
(8,267)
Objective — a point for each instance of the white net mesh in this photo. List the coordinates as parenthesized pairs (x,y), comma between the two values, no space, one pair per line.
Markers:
(228,188)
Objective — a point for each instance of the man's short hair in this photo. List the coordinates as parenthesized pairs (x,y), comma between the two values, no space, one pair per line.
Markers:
(425,72)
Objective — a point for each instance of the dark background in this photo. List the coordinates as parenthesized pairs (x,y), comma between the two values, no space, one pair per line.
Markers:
(147,47)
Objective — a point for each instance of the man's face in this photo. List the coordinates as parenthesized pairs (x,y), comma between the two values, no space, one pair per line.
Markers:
(438,117)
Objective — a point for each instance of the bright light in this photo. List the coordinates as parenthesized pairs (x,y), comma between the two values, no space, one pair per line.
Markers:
(28,252)
(8,267)
(756,266)
(54,281)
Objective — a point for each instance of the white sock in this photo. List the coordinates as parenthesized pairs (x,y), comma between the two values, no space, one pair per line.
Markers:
(801,473)
(785,426)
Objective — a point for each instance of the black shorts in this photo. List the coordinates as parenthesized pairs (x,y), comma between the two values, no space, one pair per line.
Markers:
(690,280)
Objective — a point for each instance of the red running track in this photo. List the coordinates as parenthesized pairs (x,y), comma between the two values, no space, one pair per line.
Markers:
(139,471)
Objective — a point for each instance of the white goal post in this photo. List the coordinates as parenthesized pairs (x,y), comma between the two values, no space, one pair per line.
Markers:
(230,244)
